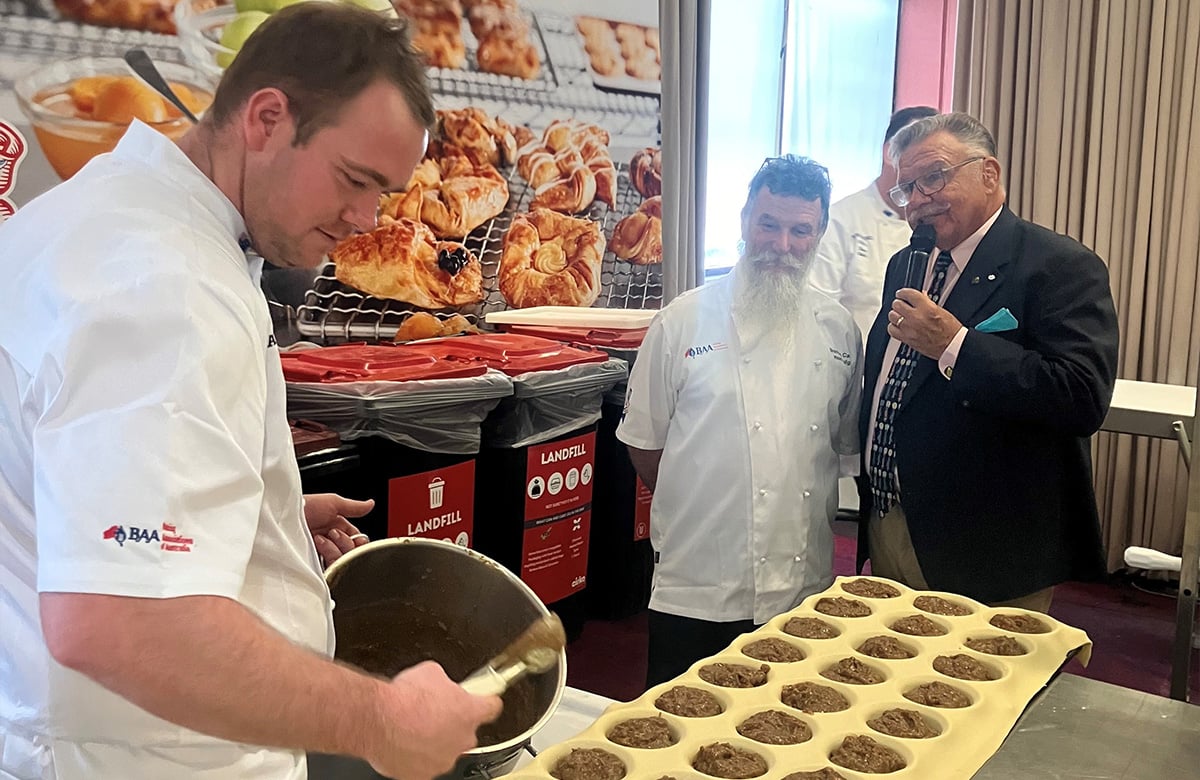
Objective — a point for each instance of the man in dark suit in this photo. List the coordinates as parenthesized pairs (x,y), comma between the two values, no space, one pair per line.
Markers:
(983,387)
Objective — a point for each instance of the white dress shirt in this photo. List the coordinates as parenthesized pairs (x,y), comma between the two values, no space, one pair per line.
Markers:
(863,234)
(754,438)
(147,453)
(959,257)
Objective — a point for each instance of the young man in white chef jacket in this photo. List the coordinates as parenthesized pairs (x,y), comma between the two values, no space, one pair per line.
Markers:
(162,607)
(740,417)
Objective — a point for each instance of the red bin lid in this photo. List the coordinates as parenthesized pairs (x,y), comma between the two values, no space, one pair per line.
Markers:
(512,353)
(373,362)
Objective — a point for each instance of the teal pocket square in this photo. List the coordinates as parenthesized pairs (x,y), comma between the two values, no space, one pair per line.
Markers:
(998,323)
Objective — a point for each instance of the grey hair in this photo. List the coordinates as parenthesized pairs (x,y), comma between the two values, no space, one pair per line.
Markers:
(964,127)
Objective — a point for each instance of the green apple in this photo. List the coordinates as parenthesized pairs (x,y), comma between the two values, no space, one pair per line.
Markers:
(236,33)
(383,6)
(266,6)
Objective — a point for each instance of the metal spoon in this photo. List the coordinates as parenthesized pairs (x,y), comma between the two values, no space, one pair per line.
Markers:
(142,65)
(535,651)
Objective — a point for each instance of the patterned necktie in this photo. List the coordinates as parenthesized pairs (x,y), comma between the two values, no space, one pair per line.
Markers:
(883,447)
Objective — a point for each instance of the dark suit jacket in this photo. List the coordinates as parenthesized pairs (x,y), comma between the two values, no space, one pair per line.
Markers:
(995,465)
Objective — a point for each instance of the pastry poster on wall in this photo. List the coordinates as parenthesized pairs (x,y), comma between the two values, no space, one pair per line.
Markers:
(541,186)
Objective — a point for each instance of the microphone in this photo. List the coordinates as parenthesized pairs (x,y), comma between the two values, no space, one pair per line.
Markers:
(919,249)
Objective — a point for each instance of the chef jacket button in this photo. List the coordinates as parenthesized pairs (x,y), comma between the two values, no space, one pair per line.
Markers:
(745,360)
(762,492)
(762,559)
(813,427)
(798,559)
(817,363)
(806,493)
(757,425)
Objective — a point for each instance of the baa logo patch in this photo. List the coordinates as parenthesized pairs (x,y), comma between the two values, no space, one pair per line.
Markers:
(703,349)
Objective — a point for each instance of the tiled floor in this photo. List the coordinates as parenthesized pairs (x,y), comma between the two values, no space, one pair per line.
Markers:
(1131,630)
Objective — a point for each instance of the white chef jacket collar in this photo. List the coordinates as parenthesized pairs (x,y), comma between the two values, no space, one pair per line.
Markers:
(144,145)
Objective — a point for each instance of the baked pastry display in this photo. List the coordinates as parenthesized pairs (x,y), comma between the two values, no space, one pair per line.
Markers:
(449,192)
(569,167)
(620,48)
(151,15)
(550,259)
(924,708)
(505,39)
(483,138)
(404,261)
(436,30)
(638,237)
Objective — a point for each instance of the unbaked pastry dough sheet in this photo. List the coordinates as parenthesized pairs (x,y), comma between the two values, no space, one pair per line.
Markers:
(969,736)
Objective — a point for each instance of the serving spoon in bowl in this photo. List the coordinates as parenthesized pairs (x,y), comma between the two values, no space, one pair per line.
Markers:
(144,67)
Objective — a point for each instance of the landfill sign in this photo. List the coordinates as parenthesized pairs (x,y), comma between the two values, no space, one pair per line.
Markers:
(558,516)
(438,504)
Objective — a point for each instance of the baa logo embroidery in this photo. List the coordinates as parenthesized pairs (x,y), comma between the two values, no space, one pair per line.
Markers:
(168,540)
(703,349)
(840,356)
(271,342)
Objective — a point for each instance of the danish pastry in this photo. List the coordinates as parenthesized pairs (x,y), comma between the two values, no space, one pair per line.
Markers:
(645,172)
(515,57)
(551,259)
(638,237)
(423,325)
(402,260)
(465,195)
(483,138)
(570,168)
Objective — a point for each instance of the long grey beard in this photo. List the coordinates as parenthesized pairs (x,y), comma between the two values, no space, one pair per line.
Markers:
(768,301)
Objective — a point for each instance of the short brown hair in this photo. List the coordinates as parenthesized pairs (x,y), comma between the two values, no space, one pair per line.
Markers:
(322,55)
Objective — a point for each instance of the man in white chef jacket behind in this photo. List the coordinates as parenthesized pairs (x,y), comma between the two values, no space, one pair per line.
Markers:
(740,417)
(865,230)
(162,609)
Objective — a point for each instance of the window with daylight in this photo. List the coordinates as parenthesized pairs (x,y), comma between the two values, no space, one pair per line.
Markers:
(807,77)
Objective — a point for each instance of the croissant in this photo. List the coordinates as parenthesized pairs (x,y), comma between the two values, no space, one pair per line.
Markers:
(472,130)
(550,259)
(402,260)
(638,237)
(645,172)
(515,57)
(589,26)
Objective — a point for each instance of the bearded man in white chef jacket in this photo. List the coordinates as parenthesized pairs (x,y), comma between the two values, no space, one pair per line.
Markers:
(740,417)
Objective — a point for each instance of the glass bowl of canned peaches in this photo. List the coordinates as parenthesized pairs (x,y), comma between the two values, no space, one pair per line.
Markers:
(80,108)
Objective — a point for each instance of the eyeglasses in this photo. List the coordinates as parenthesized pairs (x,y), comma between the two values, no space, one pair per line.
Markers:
(934,181)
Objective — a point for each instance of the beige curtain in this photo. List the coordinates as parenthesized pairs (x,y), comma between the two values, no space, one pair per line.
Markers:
(683,29)
(1094,108)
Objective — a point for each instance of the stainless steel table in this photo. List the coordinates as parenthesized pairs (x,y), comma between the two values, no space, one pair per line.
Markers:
(1081,728)
(1076,729)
